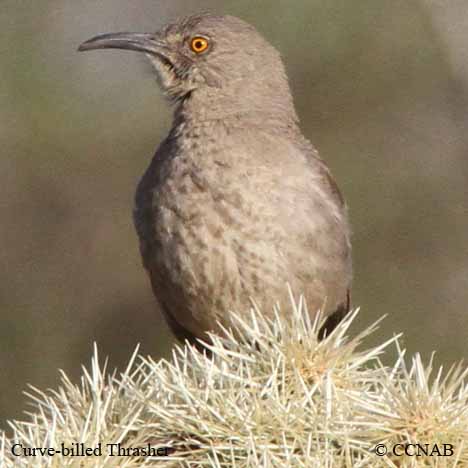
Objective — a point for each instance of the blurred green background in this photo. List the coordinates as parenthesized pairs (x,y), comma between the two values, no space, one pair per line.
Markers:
(382,91)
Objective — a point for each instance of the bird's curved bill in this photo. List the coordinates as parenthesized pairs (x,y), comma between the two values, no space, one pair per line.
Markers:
(141,42)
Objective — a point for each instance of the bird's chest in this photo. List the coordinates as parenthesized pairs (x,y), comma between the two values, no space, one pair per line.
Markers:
(208,211)
(189,194)
(192,216)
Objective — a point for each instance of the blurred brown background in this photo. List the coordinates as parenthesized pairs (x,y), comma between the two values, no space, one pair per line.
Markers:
(382,91)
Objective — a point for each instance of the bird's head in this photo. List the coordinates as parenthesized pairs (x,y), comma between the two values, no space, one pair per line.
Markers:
(211,55)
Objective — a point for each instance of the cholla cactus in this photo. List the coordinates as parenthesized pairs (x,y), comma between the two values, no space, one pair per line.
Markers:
(270,395)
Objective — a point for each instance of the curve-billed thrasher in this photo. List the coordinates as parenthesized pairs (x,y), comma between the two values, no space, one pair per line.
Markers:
(236,203)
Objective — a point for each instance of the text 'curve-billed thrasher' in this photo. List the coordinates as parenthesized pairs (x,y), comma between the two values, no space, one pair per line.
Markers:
(236,202)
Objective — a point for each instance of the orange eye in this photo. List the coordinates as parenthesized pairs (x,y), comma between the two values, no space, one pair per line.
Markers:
(199,44)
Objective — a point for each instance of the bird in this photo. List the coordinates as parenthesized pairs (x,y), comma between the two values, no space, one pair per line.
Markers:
(236,203)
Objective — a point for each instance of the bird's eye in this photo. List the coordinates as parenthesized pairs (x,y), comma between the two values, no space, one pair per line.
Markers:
(199,44)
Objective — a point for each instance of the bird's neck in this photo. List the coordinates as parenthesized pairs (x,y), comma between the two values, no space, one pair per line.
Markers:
(243,107)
